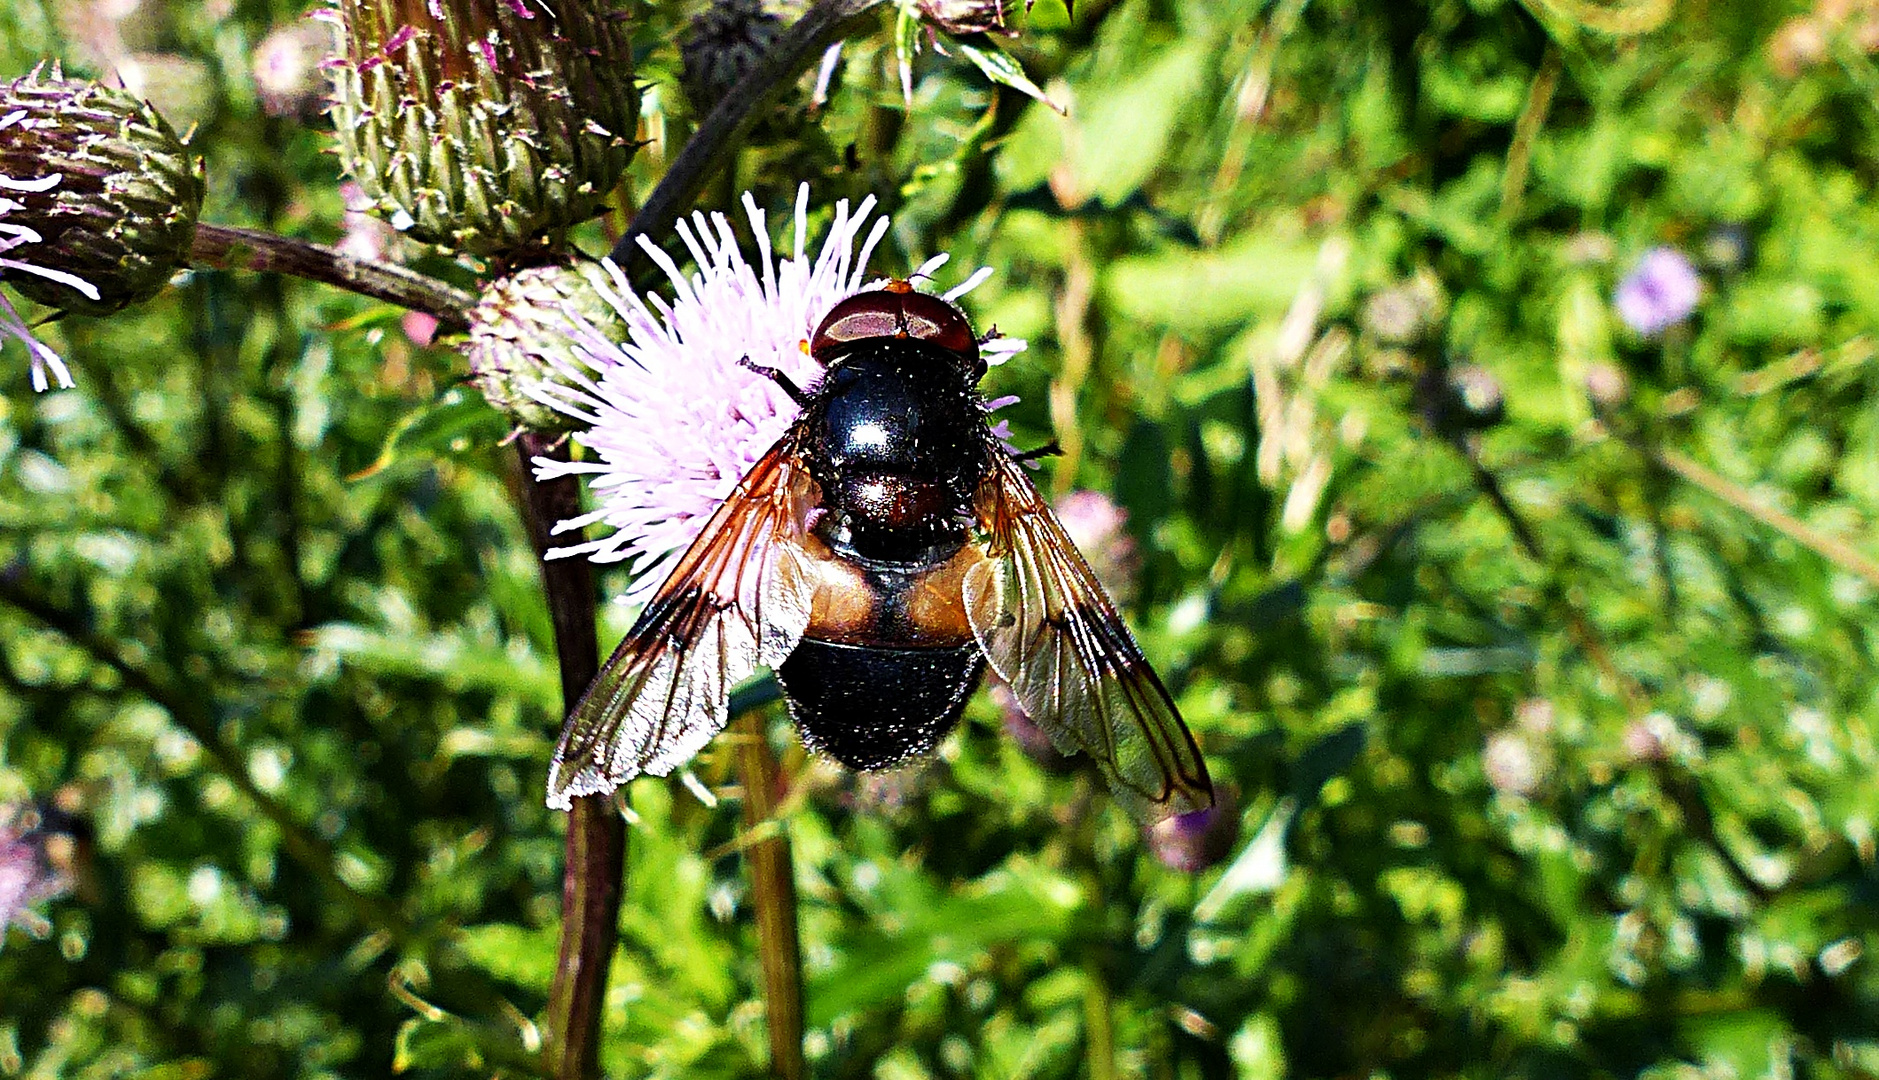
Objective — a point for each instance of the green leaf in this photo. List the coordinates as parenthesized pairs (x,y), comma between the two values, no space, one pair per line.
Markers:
(999,67)
(455,421)
(514,954)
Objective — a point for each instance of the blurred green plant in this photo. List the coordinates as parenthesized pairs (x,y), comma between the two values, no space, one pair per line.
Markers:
(1554,725)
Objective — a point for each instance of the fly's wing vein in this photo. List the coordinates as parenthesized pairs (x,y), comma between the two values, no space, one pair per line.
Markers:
(1048,629)
(738,600)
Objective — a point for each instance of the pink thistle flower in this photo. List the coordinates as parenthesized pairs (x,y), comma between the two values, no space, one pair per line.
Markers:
(13,237)
(672,416)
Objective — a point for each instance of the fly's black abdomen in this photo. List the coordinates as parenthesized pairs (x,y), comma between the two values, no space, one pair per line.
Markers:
(872,708)
(895,441)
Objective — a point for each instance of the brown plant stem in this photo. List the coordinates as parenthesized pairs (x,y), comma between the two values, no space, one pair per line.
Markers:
(1829,547)
(1577,624)
(825,23)
(773,892)
(594,872)
(1527,130)
(227,247)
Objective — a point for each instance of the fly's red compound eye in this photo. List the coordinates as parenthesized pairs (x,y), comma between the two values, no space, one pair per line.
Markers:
(865,315)
(931,319)
(892,312)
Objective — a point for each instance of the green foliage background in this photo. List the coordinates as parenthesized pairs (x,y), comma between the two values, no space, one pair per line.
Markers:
(1599,807)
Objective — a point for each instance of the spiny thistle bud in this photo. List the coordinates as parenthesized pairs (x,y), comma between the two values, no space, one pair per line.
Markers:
(122,212)
(487,126)
(726,41)
(525,333)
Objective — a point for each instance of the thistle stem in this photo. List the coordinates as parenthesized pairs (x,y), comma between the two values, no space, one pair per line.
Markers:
(773,892)
(227,247)
(594,873)
(825,23)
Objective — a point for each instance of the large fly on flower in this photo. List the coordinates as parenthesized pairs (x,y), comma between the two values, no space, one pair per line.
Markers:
(881,554)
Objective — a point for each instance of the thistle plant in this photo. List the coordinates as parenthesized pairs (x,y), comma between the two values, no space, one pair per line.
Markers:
(98,204)
(485,126)
(1537,670)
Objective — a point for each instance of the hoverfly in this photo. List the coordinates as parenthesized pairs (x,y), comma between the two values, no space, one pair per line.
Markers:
(877,558)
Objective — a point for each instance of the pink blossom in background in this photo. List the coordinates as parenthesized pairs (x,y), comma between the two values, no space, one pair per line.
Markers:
(1096,525)
(419,327)
(1195,841)
(1658,293)
(25,878)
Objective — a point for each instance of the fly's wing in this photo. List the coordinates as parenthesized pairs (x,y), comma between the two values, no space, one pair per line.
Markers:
(1048,628)
(738,600)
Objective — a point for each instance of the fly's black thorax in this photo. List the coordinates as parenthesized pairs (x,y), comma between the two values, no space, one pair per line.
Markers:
(896,446)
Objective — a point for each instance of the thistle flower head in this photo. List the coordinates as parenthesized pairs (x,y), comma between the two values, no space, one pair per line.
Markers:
(672,417)
(487,126)
(13,237)
(104,186)
(518,340)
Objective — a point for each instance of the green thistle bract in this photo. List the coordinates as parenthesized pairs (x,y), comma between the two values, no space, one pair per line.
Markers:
(524,333)
(123,214)
(486,126)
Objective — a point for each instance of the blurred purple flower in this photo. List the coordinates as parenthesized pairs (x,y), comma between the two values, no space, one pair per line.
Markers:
(1023,731)
(1194,842)
(26,876)
(1095,524)
(1658,293)
(286,65)
(673,417)
(14,237)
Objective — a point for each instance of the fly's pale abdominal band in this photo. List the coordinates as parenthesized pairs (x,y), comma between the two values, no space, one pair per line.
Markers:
(883,553)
